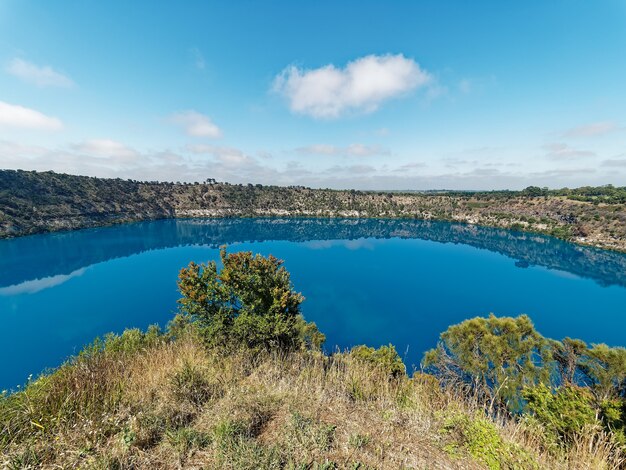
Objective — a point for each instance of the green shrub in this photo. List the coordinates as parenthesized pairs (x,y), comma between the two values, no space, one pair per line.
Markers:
(564,413)
(249,302)
(480,438)
(129,342)
(613,415)
(384,358)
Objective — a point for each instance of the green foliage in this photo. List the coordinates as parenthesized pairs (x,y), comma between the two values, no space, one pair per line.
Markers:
(613,415)
(535,191)
(564,413)
(186,439)
(566,355)
(480,438)
(565,386)
(384,358)
(227,431)
(129,342)
(189,384)
(605,370)
(564,232)
(249,302)
(493,357)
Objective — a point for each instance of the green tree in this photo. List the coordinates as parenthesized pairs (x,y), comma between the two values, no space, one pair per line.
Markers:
(567,355)
(251,301)
(564,413)
(493,358)
(604,369)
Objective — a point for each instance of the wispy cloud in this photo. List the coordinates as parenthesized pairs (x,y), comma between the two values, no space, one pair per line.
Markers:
(108,158)
(615,162)
(465,86)
(41,76)
(106,148)
(561,151)
(353,150)
(350,169)
(196,124)
(382,132)
(198,58)
(20,117)
(408,167)
(228,156)
(361,86)
(592,130)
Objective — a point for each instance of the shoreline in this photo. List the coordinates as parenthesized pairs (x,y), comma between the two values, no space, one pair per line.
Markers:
(63,228)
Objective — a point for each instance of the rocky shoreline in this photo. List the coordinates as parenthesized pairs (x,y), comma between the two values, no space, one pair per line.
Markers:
(32,202)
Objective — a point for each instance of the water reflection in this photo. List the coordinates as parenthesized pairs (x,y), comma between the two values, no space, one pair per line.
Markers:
(31,263)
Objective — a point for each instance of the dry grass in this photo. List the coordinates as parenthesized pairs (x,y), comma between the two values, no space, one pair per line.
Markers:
(173,404)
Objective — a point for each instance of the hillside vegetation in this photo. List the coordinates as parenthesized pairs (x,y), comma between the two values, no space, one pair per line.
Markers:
(238,380)
(32,202)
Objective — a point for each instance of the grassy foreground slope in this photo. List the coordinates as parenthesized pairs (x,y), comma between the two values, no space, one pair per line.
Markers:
(32,202)
(238,381)
(145,402)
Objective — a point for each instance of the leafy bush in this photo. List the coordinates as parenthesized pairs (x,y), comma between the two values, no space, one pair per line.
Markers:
(613,414)
(564,413)
(384,358)
(249,302)
(480,438)
(132,340)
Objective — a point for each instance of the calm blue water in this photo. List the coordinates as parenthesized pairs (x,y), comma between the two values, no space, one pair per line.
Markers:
(365,281)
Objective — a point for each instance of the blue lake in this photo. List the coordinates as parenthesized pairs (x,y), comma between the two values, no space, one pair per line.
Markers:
(365,281)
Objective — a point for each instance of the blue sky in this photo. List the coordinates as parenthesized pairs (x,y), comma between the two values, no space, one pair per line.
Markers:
(352,94)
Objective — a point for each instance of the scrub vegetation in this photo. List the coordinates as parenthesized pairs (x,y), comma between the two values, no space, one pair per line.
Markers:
(239,380)
(32,202)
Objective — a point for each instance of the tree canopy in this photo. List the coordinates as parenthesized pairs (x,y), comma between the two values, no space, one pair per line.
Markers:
(249,301)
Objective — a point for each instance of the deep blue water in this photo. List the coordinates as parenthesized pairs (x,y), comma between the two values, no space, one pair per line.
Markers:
(365,281)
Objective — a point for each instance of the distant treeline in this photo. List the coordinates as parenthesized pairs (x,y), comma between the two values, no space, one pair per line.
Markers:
(36,202)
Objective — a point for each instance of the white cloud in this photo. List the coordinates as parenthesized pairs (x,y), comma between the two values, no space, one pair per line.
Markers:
(361,86)
(465,86)
(360,150)
(353,150)
(318,149)
(615,162)
(409,167)
(15,116)
(106,148)
(196,124)
(198,162)
(198,58)
(565,152)
(228,156)
(382,132)
(592,130)
(44,76)
(350,169)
